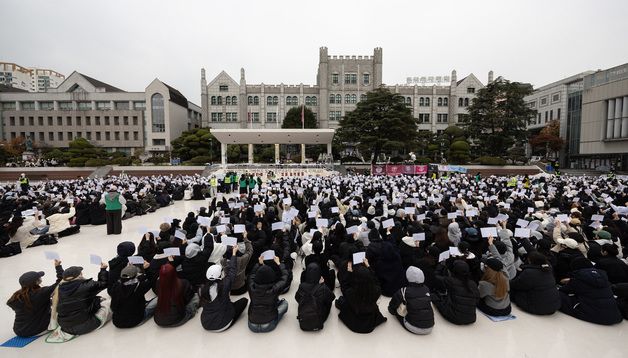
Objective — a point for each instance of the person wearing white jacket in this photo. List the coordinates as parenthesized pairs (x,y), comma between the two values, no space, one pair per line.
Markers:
(60,222)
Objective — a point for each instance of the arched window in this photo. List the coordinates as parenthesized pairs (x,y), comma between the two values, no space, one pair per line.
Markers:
(250,100)
(256,100)
(427,101)
(347,98)
(275,100)
(460,102)
(269,100)
(445,101)
(158,117)
(338,99)
(440,101)
(219,100)
(234,100)
(213,100)
(421,101)
(466,102)
(228,100)
(332,98)
(362,97)
(354,98)
(409,100)
(313,101)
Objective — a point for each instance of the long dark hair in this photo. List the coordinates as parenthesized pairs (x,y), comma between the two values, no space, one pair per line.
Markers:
(14,225)
(24,295)
(364,291)
(170,291)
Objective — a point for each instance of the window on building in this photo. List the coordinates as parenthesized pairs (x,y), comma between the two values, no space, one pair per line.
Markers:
(539,115)
(88,135)
(159,142)
(8,106)
(79,134)
(445,101)
(335,115)
(223,88)
(216,117)
(558,113)
(219,100)
(366,78)
(107,135)
(12,121)
(424,118)
(351,78)
(46,106)
(103,105)
(125,120)
(65,106)
(440,101)
(51,136)
(85,106)
(332,98)
(21,121)
(31,121)
(441,118)
(271,117)
(41,136)
(78,121)
(466,102)
(40,121)
(49,120)
(213,101)
(126,136)
(234,100)
(470,90)
(555,97)
(158,116)
(255,116)
(28,106)
(551,114)
(139,105)
(68,121)
(421,101)
(256,100)
(70,137)
(338,99)
(116,120)
(334,78)
(546,116)
(98,136)
(347,98)
(250,100)
(136,135)
(122,105)
(460,102)
(134,120)
(409,101)
(228,100)
(427,101)
(362,97)
(291,101)
(97,120)
(59,121)
(544,101)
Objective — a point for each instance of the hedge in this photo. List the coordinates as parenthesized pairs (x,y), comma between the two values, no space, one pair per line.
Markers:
(77,162)
(96,162)
(491,161)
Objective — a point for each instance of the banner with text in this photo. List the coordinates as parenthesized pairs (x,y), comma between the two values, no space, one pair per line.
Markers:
(398,169)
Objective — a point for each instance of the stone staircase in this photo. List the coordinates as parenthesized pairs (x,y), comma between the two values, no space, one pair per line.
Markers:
(100,172)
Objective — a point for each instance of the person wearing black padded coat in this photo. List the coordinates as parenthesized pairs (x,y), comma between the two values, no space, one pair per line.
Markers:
(587,295)
(219,313)
(533,290)
(311,284)
(458,303)
(419,318)
(128,304)
(32,303)
(266,309)
(616,269)
(118,263)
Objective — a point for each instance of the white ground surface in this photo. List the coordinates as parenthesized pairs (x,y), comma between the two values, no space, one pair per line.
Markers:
(527,336)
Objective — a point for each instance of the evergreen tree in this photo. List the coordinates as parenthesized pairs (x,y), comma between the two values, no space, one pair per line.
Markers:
(293,118)
(382,123)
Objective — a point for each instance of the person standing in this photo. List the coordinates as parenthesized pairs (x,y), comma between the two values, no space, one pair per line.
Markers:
(24,183)
(213,186)
(113,207)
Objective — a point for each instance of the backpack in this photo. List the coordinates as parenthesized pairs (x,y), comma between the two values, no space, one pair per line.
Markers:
(309,314)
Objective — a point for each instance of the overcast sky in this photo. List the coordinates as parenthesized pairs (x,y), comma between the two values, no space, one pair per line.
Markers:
(128,43)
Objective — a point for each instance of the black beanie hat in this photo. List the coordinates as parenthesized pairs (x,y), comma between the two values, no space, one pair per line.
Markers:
(265,275)
(494,264)
(126,249)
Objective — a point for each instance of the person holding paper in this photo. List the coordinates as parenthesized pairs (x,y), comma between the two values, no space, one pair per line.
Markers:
(147,247)
(458,300)
(194,265)
(266,310)
(113,206)
(128,304)
(243,255)
(219,313)
(176,300)
(453,233)
(31,303)
(321,258)
(418,317)
(502,250)
(19,230)
(493,288)
(314,298)
(118,263)
(358,303)
(534,289)
(60,222)
(76,307)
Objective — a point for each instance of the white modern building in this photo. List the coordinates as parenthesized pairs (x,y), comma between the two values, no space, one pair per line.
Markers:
(29,79)
(105,115)
(342,81)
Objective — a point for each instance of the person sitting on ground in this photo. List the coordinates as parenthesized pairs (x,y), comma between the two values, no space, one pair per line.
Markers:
(358,304)
(219,313)
(176,300)
(418,317)
(314,299)
(493,288)
(128,304)
(534,289)
(31,303)
(266,310)
(459,300)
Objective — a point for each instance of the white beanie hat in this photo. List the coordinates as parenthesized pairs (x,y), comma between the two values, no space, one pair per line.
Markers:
(415,275)
(214,272)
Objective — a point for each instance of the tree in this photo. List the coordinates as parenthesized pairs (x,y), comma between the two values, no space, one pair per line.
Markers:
(195,143)
(548,139)
(382,123)
(293,118)
(498,116)
(459,148)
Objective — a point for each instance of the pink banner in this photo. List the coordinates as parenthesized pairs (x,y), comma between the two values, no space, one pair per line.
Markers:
(420,169)
(392,169)
(398,169)
(378,169)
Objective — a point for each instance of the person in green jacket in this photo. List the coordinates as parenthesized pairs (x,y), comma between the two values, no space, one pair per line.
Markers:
(113,210)
(243,184)
(227,182)
(234,181)
(252,183)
